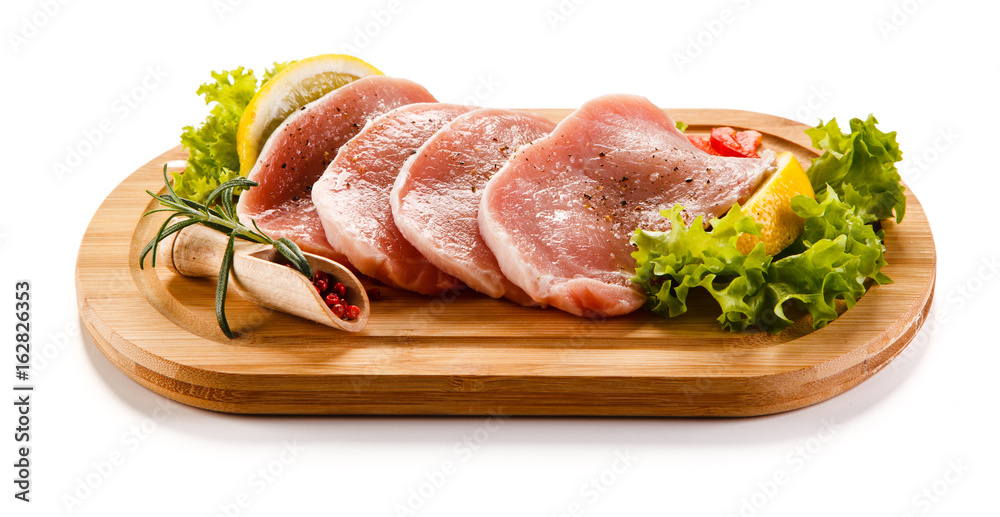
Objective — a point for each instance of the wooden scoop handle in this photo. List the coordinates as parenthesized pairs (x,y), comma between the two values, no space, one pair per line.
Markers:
(194,251)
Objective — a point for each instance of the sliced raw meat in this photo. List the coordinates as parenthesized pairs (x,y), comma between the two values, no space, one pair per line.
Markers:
(300,149)
(352,197)
(435,200)
(559,215)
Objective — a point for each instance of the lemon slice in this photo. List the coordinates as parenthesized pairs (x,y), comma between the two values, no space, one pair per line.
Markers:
(297,85)
(771,205)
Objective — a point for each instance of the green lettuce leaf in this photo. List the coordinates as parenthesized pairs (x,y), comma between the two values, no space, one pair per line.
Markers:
(211,147)
(841,253)
(864,159)
(671,263)
(825,270)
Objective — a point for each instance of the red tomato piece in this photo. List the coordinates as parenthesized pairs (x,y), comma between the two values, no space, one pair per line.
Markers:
(702,143)
(750,141)
(726,141)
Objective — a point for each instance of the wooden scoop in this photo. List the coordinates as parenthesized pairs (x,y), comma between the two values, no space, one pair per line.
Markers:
(258,276)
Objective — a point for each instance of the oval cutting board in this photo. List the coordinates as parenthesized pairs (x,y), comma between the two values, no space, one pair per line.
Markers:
(463,353)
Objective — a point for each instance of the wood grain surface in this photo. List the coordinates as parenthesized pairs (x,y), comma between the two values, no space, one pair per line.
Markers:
(465,354)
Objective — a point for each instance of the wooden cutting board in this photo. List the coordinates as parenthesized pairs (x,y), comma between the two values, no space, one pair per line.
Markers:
(469,354)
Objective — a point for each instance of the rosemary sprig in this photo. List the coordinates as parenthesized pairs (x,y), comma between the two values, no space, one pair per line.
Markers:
(218,213)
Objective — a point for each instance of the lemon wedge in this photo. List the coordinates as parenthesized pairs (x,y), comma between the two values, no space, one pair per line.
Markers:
(771,205)
(297,85)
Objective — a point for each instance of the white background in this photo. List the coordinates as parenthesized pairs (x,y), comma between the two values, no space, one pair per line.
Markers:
(915,439)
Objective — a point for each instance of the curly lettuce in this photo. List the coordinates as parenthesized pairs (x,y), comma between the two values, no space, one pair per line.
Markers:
(841,253)
(860,166)
(825,270)
(672,263)
(211,146)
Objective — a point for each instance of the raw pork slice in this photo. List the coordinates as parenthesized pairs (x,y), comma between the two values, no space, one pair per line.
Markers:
(300,149)
(559,215)
(352,197)
(435,201)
